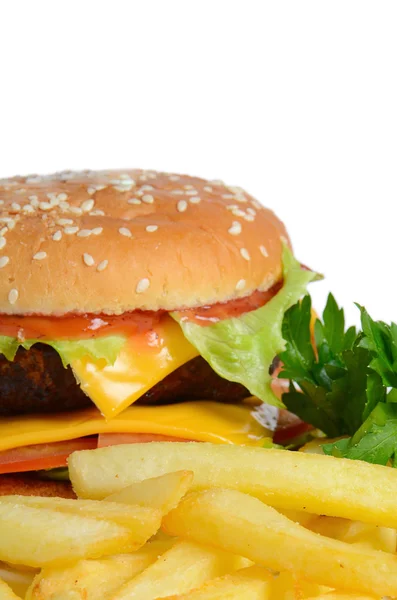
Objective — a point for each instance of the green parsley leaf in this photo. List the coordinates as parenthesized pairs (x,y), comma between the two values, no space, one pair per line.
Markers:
(333,384)
(374,442)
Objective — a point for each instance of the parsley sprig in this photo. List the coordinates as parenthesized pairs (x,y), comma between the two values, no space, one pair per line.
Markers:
(347,384)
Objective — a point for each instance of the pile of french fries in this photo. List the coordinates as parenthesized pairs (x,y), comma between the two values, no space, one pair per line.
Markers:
(205,522)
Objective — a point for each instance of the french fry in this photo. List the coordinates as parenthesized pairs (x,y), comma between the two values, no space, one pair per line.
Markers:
(91,579)
(251,583)
(286,480)
(287,586)
(185,566)
(6,592)
(241,524)
(355,532)
(143,521)
(39,537)
(341,596)
(163,492)
(18,580)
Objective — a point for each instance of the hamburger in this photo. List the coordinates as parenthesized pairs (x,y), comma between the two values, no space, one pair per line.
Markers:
(134,306)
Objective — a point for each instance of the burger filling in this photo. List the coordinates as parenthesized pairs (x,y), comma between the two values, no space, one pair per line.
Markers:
(218,353)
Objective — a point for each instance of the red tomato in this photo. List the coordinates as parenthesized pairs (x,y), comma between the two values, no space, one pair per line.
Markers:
(42,456)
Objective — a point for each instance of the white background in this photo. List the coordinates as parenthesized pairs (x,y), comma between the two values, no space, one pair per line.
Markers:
(294,100)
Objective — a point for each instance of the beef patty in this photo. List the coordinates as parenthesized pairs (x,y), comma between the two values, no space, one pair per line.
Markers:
(36,381)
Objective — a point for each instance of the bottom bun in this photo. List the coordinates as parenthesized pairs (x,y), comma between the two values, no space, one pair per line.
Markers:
(29,485)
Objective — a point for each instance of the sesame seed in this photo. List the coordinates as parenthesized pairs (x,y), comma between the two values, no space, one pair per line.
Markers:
(76,210)
(62,197)
(207,188)
(57,236)
(71,230)
(147,188)
(174,178)
(188,187)
(4,260)
(139,193)
(195,200)
(88,260)
(2,242)
(125,231)
(181,206)
(91,190)
(64,205)
(15,207)
(40,255)
(151,228)
(240,285)
(178,192)
(63,222)
(249,218)
(134,201)
(191,192)
(148,198)
(235,229)
(125,176)
(87,205)
(97,230)
(13,296)
(1,202)
(84,233)
(227,196)
(263,251)
(28,209)
(102,265)
(10,222)
(251,211)
(45,206)
(97,213)
(238,213)
(142,178)
(257,204)
(3,231)
(34,201)
(245,254)
(232,207)
(142,285)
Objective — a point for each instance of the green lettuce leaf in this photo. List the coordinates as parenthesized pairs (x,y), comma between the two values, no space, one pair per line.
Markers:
(241,349)
(106,348)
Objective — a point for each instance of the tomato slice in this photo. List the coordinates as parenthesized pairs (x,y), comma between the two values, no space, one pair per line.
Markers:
(289,426)
(42,456)
(115,439)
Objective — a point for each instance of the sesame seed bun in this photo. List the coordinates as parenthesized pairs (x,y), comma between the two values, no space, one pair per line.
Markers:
(111,242)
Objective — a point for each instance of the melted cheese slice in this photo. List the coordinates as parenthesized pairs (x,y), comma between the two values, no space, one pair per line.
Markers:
(200,421)
(144,360)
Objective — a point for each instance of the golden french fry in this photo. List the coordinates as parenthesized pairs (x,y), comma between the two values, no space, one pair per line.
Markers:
(341,596)
(241,524)
(355,532)
(163,492)
(40,537)
(287,480)
(251,583)
(287,586)
(92,579)
(6,593)
(19,580)
(143,521)
(185,566)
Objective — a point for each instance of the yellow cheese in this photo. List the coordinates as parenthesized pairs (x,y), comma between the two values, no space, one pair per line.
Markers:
(201,421)
(144,360)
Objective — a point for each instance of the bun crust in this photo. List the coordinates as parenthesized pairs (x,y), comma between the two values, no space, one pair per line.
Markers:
(111,242)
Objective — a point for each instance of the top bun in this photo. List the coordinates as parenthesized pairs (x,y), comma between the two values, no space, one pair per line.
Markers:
(110,242)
